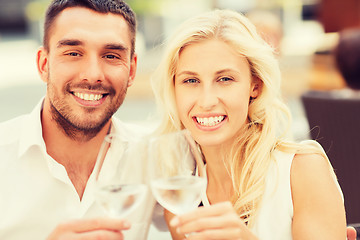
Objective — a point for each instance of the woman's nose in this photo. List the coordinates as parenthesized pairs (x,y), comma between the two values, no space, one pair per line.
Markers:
(208,98)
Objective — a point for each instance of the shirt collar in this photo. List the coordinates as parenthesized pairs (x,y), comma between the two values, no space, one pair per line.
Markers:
(31,130)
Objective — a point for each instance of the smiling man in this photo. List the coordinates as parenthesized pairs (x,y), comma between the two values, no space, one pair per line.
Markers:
(48,156)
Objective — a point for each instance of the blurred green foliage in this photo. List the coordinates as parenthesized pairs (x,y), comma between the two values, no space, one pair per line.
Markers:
(35,10)
(145,7)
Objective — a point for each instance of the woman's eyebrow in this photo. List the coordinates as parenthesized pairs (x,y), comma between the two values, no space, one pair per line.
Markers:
(225,71)
(186,73)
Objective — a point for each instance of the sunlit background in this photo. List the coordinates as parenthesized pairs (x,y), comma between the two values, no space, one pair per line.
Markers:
(308,33)
(305,32)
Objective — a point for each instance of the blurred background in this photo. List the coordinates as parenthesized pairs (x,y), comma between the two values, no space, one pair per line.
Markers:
(304,32)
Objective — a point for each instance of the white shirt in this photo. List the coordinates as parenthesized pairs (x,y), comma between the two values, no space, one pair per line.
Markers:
(36,193)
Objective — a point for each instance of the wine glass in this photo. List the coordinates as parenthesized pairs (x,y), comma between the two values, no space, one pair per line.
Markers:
(117,196)
(175,161)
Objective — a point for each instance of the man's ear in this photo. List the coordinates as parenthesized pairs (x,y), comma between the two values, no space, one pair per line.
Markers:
(256,87)
(42,61)
(133,67)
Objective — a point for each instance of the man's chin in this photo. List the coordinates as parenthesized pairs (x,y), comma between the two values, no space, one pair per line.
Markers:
(83,130)
(90,126)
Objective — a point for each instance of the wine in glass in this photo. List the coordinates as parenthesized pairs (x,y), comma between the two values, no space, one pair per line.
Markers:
(175,161)
(117,196)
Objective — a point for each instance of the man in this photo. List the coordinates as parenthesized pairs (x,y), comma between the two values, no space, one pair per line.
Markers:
(351,233)
(47,157)
(347,59)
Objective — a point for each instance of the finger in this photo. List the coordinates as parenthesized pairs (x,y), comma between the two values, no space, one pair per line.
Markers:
(202,212)
(218,234)
(351,233)
(99,234)
(227,221)
(85,225)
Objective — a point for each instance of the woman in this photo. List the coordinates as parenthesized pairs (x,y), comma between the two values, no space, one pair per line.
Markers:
(221,81)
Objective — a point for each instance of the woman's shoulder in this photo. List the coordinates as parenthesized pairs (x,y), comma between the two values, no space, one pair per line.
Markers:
(304,159)
(311,170)
(307,163)
(316,194)
(307,156)
(310,157)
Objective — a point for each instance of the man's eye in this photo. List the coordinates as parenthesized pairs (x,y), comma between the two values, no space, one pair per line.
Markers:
(110,56)
(73,54)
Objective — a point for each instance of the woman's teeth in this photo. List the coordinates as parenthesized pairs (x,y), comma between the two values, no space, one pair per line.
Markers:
(89,97)
(211,121)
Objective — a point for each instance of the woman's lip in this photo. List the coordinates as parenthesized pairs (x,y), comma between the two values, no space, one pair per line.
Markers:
(208,115)
(210,126)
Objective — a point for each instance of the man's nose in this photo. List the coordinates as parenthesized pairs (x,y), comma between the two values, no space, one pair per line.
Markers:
(92,70)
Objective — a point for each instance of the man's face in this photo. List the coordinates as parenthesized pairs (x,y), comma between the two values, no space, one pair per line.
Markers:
(88,67)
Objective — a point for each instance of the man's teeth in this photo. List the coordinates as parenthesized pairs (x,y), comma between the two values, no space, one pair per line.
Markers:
(211,121)
(89,97)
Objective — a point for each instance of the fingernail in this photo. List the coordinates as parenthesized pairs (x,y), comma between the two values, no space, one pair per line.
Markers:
(174,221)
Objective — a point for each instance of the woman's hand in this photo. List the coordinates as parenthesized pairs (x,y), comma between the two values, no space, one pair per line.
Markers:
(218,221)
(99,228)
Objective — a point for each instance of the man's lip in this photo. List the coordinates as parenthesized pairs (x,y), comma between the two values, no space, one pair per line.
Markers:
(88,96)
(89,99)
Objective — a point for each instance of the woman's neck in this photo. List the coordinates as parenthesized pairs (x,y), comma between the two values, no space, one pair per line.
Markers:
(220,187)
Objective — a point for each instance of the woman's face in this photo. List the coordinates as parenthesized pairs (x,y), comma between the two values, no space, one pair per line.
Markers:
(213,85)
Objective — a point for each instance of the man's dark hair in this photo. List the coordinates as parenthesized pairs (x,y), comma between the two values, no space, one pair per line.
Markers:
(347,56)
(102,6)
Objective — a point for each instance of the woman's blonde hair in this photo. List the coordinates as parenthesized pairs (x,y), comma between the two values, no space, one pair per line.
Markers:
(269,118)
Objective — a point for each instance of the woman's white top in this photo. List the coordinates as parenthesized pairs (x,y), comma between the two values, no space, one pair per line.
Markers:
(274,218)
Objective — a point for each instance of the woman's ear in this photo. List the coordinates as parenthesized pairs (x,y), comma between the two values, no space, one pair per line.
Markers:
(42,59)
(256,87)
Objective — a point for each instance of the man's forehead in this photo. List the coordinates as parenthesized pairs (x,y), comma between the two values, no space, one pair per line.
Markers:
(78,23)
(82,15)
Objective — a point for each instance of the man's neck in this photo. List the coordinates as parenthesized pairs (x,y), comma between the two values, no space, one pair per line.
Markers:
(78,156)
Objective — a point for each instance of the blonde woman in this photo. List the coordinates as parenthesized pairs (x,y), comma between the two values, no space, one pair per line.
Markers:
(221,81)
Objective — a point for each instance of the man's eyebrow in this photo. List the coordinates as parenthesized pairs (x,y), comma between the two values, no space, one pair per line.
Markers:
(69,42)
(115,46)
(74,42)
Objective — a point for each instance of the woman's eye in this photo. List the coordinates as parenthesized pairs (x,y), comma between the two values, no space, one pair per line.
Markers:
(190,81)
(225,79)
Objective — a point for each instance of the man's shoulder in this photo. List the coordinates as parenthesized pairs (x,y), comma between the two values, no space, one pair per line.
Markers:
(131,130)
(10,130)
(138,129)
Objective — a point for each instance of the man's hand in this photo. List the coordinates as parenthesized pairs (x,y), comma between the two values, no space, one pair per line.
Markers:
(351,233)
(97,228)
